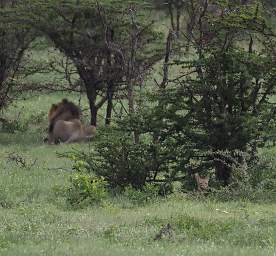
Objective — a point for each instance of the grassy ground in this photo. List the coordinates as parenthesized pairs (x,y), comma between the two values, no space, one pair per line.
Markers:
(36,220)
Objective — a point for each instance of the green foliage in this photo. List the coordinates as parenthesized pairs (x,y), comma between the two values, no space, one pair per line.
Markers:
(119,160)
(224,102)
(203,229)
(86,190)
(255,181)
(124,163)
(148,194)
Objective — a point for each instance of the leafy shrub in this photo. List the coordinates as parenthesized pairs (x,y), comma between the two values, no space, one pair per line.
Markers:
(120,161)
(139,197)
(253,181)
(124,163)
(86,189)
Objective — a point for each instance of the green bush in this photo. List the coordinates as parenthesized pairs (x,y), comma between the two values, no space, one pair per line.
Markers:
(120,161)
(124,163)
(255,181)
(140,197)
(86,189)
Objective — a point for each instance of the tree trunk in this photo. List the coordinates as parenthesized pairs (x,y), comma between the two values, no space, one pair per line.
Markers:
(94,113)
(178,16)
(171,15)
(109,107)
(131,108)
(223,172)
(108,112)
(92,96)
(131,74)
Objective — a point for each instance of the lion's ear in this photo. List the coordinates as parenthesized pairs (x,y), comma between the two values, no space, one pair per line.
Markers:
(64,100)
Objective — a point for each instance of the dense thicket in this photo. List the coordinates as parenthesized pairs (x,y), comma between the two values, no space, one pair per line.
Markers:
(220,107)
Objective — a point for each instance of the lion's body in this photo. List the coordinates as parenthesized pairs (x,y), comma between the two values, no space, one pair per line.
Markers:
(72,131)
(64,110)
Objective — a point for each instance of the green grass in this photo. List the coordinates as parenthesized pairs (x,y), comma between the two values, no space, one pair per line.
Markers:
(36,219)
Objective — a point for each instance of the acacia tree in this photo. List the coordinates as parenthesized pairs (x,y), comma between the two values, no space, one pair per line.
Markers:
(220,105)
(95,37)
(14,40)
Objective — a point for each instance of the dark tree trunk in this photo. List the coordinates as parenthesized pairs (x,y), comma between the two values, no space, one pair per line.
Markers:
(138,180)
(91,92)
(171,11)
(91,86)
(94,113)
(108,112)
(110,93)
(223,172)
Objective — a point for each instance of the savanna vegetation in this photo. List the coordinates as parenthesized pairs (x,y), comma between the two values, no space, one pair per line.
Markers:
(181,95)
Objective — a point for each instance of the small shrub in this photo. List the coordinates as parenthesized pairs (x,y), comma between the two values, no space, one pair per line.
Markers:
(86,189)
(120,161)
(139,197)
(123,163)
(255,181)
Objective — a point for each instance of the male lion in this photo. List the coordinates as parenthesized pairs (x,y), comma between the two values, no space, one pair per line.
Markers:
(71,131)
(64,110)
